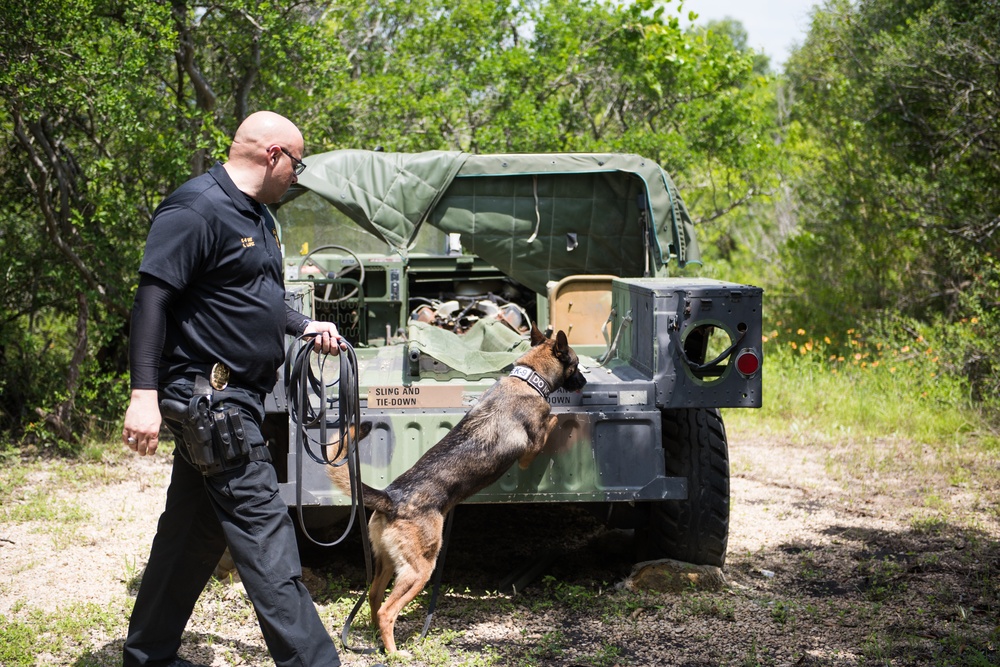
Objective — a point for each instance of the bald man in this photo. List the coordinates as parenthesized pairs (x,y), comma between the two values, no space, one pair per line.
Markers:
(207,340)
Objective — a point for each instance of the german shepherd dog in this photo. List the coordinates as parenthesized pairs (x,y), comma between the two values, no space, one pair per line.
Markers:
(511,422)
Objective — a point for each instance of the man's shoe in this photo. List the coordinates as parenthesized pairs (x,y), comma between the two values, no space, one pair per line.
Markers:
(181,662)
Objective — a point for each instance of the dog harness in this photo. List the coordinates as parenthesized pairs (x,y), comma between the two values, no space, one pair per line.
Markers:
(534,380)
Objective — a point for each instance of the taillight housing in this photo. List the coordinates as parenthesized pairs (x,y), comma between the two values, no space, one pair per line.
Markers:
(747,362)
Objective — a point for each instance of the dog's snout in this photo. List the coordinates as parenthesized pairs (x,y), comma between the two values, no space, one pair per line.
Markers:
(576,381)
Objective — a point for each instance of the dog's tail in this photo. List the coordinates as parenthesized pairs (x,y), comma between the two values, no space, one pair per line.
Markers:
(375,499)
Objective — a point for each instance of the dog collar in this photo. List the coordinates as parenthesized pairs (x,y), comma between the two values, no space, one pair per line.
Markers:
(534,380)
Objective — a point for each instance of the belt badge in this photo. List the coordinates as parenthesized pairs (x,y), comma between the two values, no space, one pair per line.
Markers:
(219,377)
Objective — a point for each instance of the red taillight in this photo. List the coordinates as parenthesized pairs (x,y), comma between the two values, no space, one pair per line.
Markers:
(747,362)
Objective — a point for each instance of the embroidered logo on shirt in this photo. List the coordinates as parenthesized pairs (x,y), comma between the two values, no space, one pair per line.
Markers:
(248,242)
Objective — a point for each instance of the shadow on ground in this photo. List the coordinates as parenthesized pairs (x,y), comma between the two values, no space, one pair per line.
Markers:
(928,595)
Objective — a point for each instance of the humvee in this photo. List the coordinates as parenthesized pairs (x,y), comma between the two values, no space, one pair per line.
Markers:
(434,265)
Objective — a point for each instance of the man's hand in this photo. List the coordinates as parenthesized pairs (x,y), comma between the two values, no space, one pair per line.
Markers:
(142,422)
(327,337)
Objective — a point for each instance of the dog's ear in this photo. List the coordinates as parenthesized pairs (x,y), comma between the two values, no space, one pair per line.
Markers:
(562,345)
(537,337)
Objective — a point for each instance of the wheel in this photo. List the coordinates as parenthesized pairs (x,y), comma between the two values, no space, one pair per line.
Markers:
(695,530)
(357,266)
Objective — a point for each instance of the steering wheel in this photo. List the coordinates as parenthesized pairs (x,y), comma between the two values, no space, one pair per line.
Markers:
(357,266)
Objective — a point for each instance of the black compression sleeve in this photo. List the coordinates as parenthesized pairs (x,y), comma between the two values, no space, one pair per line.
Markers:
(149,330)
(295,322)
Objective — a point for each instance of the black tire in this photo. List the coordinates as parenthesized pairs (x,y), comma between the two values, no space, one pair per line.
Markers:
(695,530)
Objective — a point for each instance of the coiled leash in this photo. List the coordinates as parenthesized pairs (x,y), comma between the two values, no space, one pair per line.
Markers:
(301,384)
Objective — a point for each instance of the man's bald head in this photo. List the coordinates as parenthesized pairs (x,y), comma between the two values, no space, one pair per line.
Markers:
(262,129)
(256,162)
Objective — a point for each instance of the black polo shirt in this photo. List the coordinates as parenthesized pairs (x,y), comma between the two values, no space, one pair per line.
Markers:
(208,242)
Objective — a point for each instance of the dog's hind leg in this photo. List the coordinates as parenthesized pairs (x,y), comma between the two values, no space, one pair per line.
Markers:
(383,563)
(415,548)
(380,580)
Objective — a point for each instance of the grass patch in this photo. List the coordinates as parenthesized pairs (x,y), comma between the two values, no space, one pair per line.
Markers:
(43,506)
(17,643)
(867,384)
(709,605)
(884,410)
(438,650)
(570,596)
(36,637)
(551,646)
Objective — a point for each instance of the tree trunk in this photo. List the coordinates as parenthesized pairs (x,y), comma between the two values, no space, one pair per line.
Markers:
(60,419)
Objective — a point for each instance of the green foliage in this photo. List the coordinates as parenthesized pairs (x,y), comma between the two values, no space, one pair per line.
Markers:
(16,641)
(561,75)
(108,105)
(888,377)
(897,133)
(859,189)
(73,117)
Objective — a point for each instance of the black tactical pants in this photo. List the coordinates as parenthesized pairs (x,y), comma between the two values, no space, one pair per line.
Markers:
(242,509)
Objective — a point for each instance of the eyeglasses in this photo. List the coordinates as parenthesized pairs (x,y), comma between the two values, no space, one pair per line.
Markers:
(300,166)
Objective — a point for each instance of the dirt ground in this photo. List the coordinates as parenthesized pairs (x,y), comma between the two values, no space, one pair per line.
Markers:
(833,560)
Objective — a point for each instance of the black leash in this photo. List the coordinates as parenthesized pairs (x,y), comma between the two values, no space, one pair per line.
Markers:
(301,384)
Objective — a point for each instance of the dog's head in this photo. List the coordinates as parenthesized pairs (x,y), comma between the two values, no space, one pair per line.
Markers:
(556,362)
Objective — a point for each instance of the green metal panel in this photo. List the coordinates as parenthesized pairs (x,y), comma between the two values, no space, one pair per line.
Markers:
(614,459)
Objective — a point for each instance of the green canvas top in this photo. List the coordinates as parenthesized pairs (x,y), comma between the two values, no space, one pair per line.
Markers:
(536,217)
(488,347)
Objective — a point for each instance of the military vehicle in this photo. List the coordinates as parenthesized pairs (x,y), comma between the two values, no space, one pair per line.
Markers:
(433,265)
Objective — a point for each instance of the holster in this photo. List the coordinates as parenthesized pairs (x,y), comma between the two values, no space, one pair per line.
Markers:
(214,438)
